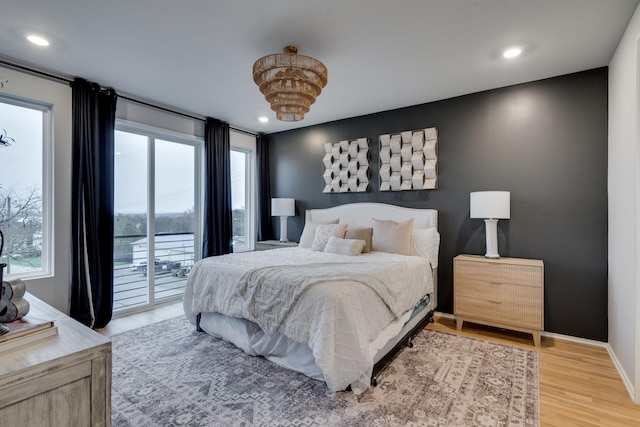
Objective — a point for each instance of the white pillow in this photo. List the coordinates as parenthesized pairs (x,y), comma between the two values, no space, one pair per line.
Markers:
(425,243)
(390,236)
(309,232)
(324,232)
(350,247)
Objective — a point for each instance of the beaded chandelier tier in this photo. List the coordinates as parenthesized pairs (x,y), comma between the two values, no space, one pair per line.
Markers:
(290,82)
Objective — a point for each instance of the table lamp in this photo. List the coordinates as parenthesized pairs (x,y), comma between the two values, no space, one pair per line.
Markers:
(283,208)
(492,206)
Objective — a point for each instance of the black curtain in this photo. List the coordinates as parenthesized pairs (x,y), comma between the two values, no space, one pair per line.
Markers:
(92,139)
(265,226)
(218,232)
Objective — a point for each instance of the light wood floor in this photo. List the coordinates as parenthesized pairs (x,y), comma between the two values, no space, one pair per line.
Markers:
(579,385)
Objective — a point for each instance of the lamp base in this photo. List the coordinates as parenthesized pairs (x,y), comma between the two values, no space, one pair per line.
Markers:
(491,228)
(283,230)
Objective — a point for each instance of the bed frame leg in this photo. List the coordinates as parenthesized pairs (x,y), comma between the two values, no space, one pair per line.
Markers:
(198,328)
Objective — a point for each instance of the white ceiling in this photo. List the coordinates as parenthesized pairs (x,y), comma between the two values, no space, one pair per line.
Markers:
(197,55)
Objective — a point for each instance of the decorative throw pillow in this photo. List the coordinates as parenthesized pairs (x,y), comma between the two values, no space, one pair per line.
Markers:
(361,234)
(425,243)
(309,232)
(350,247)
(324,232)
(393,237)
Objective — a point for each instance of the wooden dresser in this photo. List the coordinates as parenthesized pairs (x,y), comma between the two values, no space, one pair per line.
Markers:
(63,380)
(504,292)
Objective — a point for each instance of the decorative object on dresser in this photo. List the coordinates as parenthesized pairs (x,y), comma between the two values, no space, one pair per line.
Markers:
(346,166)
(13,305)
(491,206)
(283,207)
(506,293)
(64,380)
(25,331)
(265,245)
(409,160)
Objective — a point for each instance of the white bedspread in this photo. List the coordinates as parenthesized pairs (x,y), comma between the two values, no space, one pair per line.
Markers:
(339,305)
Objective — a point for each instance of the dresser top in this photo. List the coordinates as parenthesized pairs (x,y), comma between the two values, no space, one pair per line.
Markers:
(72,341)
(507,261)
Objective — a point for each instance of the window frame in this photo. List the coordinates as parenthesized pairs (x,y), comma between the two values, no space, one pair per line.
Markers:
(153,133)
(47,260)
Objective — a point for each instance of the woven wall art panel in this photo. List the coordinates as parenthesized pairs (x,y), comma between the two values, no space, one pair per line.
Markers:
(346,166)
(409,160)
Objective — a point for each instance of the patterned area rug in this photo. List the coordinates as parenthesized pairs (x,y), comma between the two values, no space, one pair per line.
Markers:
(167,374)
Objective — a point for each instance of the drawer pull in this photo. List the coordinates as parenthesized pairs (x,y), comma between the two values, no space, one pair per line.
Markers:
(495,302)
(495,283)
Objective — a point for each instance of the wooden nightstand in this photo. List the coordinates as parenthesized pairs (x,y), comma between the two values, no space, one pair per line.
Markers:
(273,244)
(505,292)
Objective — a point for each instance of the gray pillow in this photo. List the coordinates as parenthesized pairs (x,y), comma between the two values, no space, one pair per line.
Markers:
(361,234)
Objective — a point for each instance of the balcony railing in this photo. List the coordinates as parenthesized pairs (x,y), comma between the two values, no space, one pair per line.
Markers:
(174,257)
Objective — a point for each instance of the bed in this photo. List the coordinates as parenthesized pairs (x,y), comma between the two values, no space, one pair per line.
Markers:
(324,308)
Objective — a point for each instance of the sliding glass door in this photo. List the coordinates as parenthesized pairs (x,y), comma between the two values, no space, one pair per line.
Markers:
(157,201)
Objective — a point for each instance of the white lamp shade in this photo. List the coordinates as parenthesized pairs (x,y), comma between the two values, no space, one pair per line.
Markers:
(490,204)
(283,207)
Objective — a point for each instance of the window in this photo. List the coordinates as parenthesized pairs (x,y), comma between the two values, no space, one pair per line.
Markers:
(242,190)
(25,187)
(239,194)
(157,200)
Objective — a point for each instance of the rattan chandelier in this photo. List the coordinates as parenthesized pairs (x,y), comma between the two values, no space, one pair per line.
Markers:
(290,82)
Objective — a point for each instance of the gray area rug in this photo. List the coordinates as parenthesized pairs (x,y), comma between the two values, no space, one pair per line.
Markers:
(167,374)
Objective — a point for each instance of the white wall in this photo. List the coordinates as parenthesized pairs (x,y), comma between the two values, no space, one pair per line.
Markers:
(624,206)
(55,289)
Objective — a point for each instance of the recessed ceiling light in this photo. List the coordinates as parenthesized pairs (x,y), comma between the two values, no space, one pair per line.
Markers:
(512,52)
(40,41)
(263,119)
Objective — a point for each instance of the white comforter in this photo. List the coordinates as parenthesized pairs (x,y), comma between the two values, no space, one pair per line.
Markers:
(336,315)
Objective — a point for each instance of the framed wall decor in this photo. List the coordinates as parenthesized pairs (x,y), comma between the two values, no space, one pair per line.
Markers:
(409,160)
(346,166)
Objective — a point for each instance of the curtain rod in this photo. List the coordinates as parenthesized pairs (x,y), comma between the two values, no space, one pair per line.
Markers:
(50,76)
(69,80)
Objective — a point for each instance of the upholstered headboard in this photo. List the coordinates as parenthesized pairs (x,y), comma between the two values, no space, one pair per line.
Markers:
(361,214)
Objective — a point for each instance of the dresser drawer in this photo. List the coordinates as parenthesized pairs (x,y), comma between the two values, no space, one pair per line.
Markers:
(499,292)
(524,275)
(510,314)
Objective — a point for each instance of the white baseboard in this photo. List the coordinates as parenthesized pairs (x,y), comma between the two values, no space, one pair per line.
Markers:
(625,379)
(575,339)
(623,375)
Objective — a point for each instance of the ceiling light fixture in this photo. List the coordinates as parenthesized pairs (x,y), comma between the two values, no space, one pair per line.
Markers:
(263,119)
(40,41)
(512,52)
(290,82)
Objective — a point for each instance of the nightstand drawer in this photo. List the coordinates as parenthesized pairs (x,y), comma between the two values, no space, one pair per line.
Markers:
(499,292)
(503,273)
(496,311)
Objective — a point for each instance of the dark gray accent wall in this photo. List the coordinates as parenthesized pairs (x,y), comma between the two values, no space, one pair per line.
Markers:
(545,142)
